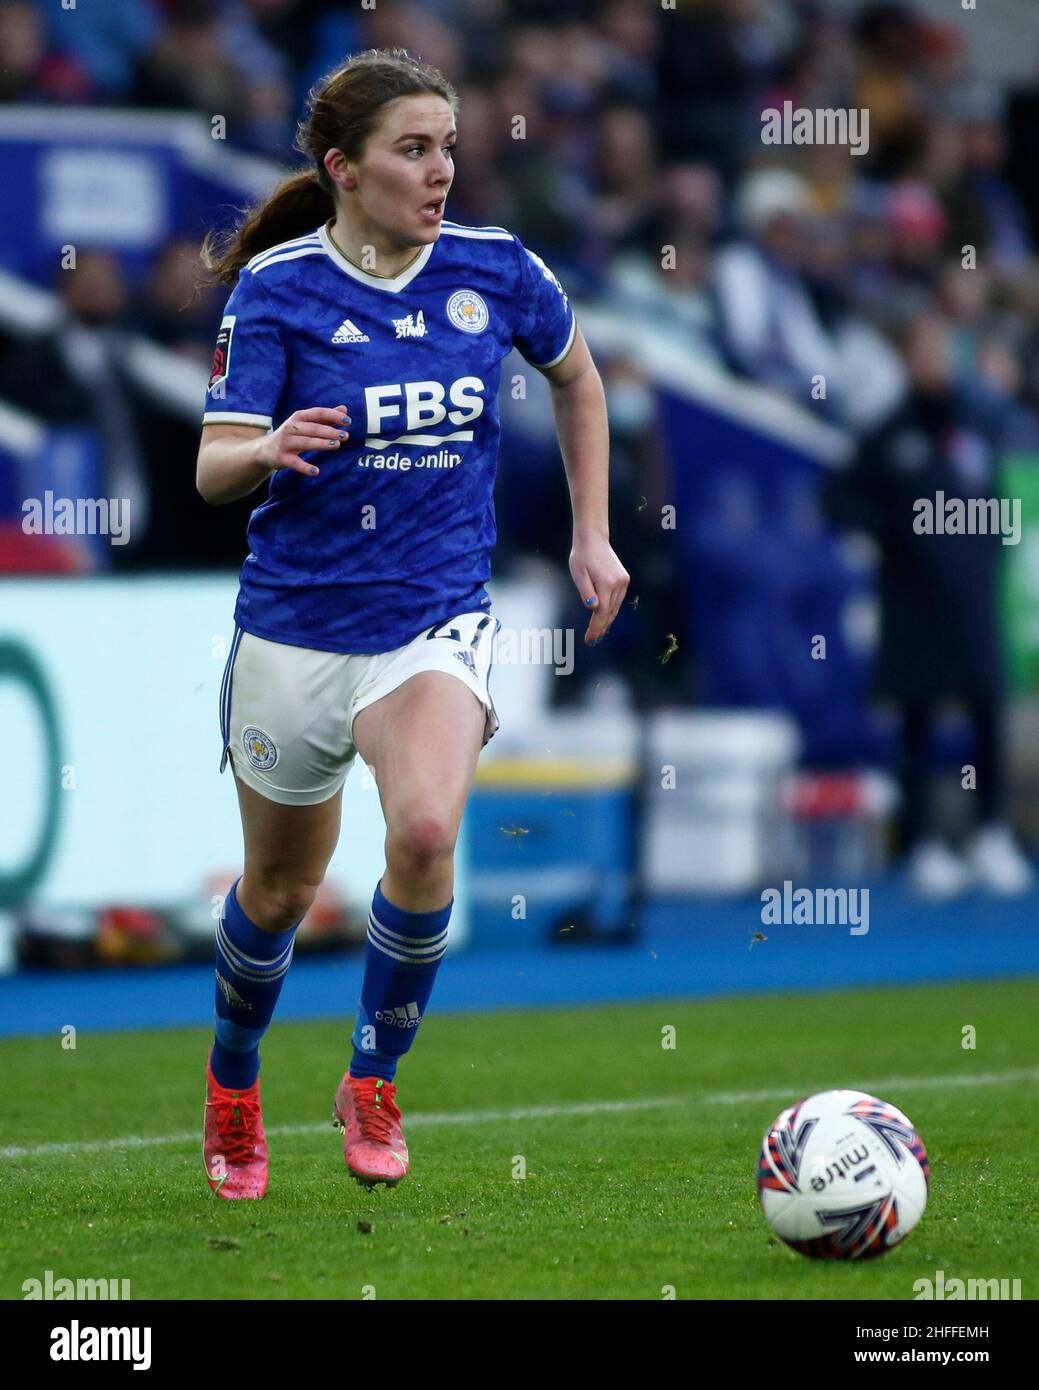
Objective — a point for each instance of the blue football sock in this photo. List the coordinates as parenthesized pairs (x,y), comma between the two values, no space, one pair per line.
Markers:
(404,950)
(250,966)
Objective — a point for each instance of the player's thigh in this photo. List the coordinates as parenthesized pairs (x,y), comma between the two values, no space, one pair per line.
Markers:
(287,846)
(423,742)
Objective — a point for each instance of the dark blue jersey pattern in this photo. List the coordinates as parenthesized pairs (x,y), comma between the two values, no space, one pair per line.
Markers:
(397,531)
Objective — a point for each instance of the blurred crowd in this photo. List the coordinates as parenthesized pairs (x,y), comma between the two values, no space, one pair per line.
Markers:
(641,130)
(622,139)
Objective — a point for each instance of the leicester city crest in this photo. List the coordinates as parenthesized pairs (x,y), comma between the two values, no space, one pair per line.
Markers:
(259,748)
(467,311)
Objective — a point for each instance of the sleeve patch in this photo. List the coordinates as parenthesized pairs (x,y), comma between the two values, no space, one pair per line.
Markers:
(222,352)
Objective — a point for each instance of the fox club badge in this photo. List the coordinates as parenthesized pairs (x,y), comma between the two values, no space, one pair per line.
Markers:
(259,748)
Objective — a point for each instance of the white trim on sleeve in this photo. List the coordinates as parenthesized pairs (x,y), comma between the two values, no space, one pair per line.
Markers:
(236,417)
(559,356)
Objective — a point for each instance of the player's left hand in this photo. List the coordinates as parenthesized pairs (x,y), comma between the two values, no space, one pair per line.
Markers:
(602,581)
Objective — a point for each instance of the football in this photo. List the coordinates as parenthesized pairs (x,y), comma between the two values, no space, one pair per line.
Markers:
(842,1176)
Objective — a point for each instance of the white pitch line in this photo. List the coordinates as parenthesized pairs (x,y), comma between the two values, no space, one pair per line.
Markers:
(877,1088)
(550,1112)
(448,1117)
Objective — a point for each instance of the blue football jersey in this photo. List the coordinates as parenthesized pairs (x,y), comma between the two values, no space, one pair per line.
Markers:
(396,532)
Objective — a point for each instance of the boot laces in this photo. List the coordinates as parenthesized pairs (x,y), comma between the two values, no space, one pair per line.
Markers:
(376,1108)
(237,1119)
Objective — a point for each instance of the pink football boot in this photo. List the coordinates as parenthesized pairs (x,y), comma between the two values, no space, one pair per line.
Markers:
(365,1110)
(234,1147)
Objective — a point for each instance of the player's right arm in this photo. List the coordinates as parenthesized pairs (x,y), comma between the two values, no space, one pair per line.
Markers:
(240,446)
(233,460)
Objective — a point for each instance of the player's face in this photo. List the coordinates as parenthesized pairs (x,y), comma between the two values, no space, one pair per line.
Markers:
(406,170)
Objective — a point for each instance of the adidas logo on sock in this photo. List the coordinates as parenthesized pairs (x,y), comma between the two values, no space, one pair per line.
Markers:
(230,993)
(348,332)
(403,1016)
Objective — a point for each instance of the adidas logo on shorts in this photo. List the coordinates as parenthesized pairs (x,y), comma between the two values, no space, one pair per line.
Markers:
(348,332)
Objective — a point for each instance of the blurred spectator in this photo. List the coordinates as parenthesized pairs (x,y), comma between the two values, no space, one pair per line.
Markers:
(891,86)
(28,73)
(940,633)
(811,347)
(409,25)
(1024,314)
(943,62)
(655,609)
(106,39)
(670,294)
(1022,129)
(989,349)
(626,177)
(917,228)
(268,37)
(666,283)
(482,195)
(631,35)
(544,154)
(76,374)
(715,62)
(80,372)
(1003,234)
(168,311)
(268,41)
(690,203)
(187,68)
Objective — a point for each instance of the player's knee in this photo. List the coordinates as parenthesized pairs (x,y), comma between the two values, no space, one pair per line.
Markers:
(283,899)
(422,835)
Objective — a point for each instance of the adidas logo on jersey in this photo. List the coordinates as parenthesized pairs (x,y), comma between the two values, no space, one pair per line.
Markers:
(403,1016)
(411,327)
(467,659)
(348,332)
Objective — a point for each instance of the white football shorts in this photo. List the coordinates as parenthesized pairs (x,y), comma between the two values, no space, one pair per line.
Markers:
(287,713)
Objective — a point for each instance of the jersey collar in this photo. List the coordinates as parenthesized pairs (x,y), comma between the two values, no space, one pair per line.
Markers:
(377,282)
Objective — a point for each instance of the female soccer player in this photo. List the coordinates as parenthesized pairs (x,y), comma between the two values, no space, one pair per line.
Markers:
(362,621)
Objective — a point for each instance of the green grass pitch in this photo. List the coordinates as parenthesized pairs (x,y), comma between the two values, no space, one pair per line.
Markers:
(616,1203)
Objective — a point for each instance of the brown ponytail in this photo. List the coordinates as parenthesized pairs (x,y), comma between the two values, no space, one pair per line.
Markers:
(342,110)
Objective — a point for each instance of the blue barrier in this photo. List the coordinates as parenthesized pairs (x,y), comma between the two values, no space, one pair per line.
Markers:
(764,579)
(90,177)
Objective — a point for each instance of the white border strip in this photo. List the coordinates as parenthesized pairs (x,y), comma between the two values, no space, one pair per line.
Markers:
(701,381)
(20,432)
(26,308)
